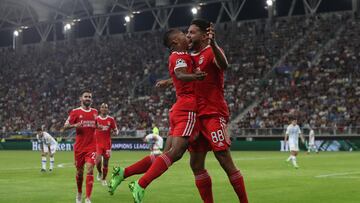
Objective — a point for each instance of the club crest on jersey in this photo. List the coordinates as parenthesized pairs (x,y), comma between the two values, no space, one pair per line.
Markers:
(95,116)
(201,60)
(81,116)
(108,122)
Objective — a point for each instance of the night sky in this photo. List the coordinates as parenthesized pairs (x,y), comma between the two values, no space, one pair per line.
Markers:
(253,9)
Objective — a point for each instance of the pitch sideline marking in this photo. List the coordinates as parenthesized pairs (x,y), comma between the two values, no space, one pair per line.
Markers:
(336,174)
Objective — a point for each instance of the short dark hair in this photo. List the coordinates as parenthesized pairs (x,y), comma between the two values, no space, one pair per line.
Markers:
(167,36)
(85,91)
(201,23)
(39,129)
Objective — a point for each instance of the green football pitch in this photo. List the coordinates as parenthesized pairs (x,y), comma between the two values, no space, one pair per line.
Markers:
(325,177)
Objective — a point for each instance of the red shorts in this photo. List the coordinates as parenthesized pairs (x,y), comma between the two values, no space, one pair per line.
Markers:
(84,157)
(103,150)
(183,124)
(213,135)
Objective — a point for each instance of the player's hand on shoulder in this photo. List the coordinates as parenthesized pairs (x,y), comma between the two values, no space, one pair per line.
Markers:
(211,33)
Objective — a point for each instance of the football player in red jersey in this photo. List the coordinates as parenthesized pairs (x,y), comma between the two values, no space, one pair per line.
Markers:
(105,126)
(83,119)
(213,113)
(182,118)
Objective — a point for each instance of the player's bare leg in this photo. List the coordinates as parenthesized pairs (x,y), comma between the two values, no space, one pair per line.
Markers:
(202,178)
(79,181)
(89,181)
(98,162)
(105,171)
(235,177)
(161,164)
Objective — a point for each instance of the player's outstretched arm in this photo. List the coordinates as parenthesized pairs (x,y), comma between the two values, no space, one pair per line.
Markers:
(181,74)
(164,83)
(220,58)
(69,126)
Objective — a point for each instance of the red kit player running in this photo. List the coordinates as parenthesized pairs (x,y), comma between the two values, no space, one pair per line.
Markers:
(213,112)
(84,120)
(182,118)
(105,126)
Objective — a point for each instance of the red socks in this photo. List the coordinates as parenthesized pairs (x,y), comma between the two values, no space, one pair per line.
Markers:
(105,171)
(139,167)
(89,184)
(160,165)
(79,181)
(237,181)
(203,183)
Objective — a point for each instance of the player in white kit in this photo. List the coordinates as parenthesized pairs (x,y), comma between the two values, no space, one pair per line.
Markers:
(48,147)
(293,132)
(156,143)
(311,145)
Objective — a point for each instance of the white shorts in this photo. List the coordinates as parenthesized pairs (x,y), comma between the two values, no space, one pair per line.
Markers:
(52,148)
(293,146)
(156,152)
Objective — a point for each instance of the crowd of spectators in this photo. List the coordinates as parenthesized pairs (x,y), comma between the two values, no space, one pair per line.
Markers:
(324,94)
(41,85)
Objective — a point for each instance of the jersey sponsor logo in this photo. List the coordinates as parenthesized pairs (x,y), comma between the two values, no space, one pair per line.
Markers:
(201,60)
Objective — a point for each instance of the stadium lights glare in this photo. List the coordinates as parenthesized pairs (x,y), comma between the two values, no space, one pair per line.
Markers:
(67,27)
(127,19)
(269,2)
(194,11)
(16,33)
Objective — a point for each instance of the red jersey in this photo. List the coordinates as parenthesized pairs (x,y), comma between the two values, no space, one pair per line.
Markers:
(85,138)
(210,91)
(185,94)
(103,130)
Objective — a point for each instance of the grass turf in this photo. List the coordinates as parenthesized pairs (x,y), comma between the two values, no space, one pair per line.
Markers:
(325,177)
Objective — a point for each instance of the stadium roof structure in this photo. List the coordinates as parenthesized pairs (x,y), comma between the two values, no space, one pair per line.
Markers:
(44,15)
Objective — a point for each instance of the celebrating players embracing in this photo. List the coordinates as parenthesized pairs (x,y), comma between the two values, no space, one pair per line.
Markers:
(182,118)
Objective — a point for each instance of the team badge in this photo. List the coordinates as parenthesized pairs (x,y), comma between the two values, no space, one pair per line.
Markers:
(201,60)
(81,116)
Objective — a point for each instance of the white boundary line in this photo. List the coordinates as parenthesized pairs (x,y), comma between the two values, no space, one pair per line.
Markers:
(336,174)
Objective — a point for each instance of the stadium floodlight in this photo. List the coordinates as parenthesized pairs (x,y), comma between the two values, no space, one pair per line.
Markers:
(194,10)
(269,2)
(67,26)
(127,19)
(16,33)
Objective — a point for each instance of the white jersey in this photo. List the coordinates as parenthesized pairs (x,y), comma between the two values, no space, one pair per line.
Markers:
(293,131)
(155,140)
(46,139)
(311,137)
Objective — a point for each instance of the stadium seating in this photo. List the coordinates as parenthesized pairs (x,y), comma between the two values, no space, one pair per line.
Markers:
(41,86)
